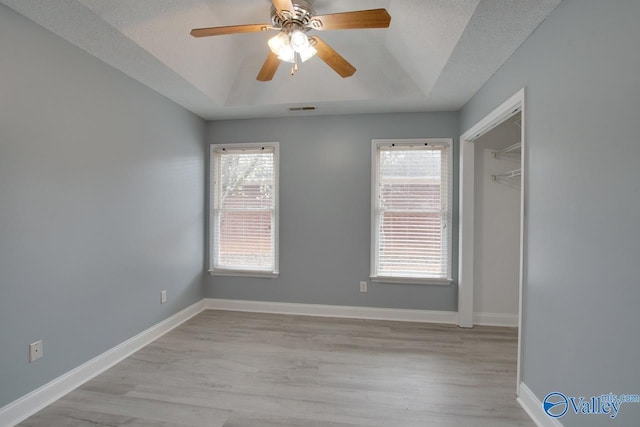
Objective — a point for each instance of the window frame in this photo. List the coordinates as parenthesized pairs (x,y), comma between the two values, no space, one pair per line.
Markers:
(374,240)
(252,146)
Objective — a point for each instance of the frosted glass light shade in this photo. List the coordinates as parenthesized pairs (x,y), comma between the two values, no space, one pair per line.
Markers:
(299,41)
(278,42)
(308,53)
(287,54)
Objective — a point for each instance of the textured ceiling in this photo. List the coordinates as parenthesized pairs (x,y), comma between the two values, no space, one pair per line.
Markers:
(435,55)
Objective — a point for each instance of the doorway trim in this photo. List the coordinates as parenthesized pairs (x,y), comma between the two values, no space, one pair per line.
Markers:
(506,110)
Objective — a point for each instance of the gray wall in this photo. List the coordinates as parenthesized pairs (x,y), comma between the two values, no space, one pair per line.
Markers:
(325,188)
(101,206)
(581,69)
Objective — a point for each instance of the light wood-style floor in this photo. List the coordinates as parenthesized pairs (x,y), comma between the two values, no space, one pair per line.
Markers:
(231,369)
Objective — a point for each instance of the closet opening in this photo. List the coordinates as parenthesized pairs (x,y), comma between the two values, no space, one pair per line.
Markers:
(492,222)
(498,171)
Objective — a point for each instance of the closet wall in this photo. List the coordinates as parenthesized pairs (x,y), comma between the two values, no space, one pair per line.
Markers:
(497,219)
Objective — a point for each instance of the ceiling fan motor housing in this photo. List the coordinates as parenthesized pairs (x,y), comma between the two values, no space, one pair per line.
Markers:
(298,19)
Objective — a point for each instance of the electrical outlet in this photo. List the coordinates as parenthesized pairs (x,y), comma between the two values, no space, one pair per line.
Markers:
(35,351)
(363,286)
(163,297)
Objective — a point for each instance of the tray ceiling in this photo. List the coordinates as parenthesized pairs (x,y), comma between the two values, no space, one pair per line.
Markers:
(435,55)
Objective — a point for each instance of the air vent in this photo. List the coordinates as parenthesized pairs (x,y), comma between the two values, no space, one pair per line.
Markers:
(307,108)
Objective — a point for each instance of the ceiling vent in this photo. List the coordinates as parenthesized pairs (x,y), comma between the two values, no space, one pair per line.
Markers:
(307,108)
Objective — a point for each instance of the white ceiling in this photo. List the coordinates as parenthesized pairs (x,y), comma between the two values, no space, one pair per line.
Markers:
(435,55)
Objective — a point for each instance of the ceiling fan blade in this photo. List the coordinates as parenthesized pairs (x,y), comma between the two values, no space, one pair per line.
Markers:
(232,29)
(283,5)
(333,58)
(269,68)
(373,18)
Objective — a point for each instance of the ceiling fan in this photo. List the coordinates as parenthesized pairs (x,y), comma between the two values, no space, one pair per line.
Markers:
(293,19)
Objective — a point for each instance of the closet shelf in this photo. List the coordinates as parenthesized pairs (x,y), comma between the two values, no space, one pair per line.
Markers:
(515,148)
(511,174)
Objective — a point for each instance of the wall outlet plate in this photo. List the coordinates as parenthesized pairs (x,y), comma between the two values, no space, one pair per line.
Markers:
(163,297)
(35,351)
(363,286)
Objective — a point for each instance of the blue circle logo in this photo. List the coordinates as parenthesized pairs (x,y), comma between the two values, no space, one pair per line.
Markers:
(555,404)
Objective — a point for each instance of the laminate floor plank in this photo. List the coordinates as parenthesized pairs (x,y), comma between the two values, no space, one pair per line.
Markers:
(232,369)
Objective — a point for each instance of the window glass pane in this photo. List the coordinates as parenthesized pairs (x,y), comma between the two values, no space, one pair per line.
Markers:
(245,240)
(412,212)
(246,181)
(411,245)
(243,217)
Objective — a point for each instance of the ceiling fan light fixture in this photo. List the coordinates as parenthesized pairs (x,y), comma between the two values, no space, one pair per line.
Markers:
(308,53)
(299,41)
(278,42)
(286,46)
(281,46)
(287,54)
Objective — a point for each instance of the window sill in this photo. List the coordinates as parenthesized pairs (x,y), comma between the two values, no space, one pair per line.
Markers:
(239,273)
(411,280)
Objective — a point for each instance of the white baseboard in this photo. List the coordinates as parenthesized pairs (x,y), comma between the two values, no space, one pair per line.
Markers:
(22,408)
(343,311)
(533,406)
(495,319)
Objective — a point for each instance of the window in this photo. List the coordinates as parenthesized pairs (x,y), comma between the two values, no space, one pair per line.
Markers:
(244,210)
(411,211)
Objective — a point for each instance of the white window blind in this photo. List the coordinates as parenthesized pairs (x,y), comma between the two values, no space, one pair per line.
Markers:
(411,210)
(244,208)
